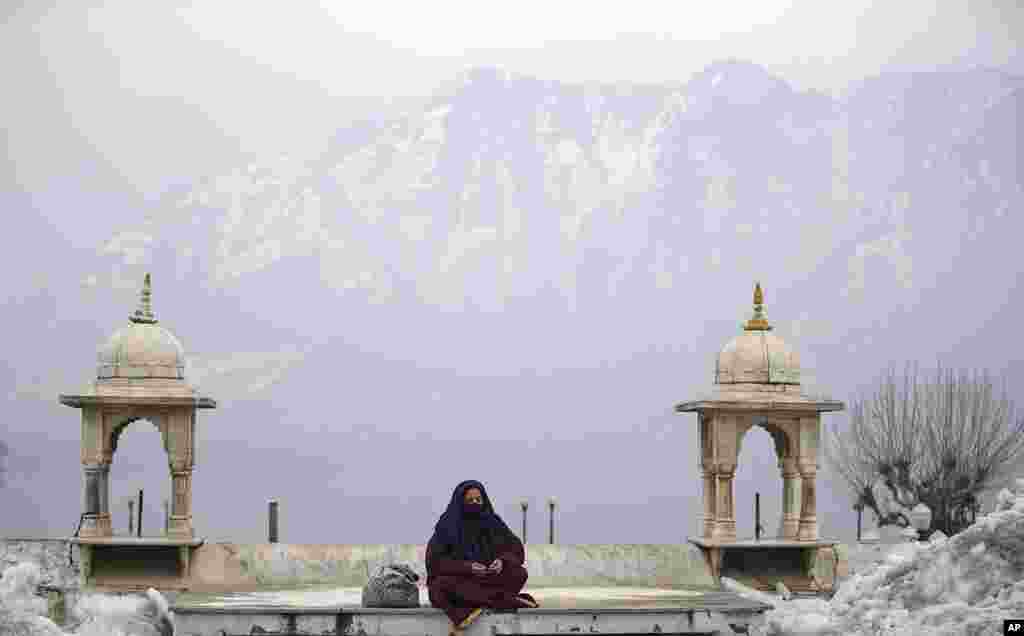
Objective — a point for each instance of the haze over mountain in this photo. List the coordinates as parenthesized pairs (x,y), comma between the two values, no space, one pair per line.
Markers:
(514,280)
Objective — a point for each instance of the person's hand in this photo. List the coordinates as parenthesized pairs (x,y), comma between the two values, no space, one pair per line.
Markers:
(479,569)
(496,566)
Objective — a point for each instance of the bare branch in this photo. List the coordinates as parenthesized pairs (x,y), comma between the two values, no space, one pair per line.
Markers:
(946,440)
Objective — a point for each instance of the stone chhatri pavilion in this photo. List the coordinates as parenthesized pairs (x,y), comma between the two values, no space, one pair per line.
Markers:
(140,375)
(757,383)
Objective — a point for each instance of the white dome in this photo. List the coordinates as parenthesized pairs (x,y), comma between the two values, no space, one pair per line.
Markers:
(141,350)
(757,356)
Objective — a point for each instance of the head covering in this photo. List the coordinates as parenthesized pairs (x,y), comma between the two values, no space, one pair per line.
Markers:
(471,539)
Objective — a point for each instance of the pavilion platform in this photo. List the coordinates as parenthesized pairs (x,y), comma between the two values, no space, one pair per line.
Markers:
(763,563)
(118,563)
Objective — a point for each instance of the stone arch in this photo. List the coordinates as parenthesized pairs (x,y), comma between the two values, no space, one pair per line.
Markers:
(782,437)
(103,425)
(794,435)
(751,476)
(143,465)
(156,419)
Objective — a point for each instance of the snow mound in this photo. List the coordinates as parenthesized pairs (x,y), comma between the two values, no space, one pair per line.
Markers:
(23,613)
(964,584)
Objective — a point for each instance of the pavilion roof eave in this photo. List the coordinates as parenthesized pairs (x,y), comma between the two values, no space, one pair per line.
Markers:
(79,401)
(808,405)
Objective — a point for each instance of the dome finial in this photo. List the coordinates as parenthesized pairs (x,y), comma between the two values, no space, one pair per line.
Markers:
(144,314)
(758,322)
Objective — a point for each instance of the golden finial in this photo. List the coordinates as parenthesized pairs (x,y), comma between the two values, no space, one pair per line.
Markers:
(758,322)
(144,314)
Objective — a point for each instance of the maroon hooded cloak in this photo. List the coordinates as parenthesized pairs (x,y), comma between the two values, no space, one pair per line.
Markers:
(459,541)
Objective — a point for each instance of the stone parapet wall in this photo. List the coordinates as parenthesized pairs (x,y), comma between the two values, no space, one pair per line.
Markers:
(248,565)
(646,565)
(242,566)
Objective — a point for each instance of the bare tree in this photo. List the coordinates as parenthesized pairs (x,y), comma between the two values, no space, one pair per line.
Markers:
(942,442)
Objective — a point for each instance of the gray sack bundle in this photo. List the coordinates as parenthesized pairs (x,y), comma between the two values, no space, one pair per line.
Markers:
(392,585)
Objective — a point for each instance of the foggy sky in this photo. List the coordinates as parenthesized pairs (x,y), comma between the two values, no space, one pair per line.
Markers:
(108,109)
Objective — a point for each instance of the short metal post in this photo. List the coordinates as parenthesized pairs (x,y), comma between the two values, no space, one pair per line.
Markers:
(524,504)
(138,526)
(551,506)
(757,516)
(272,520)
(131,517)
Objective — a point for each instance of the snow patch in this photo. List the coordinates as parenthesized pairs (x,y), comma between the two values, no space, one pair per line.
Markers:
(23,613)
(967,583)
(568,152)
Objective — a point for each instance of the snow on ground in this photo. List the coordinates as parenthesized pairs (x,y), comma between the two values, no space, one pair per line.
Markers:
(966,584)
(23,613)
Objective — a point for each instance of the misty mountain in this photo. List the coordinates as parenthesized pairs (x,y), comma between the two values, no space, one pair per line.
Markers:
(522,259)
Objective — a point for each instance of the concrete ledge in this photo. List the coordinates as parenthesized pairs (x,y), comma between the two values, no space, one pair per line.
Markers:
(432,622)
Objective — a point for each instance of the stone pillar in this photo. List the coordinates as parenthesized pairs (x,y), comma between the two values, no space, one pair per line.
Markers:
(725,521)
(96,456)
(708,480)
(180,448)
(90,500)
(807,464)
(706,440)
(105,518)
(95,506)
(808,510)
(724,438)
(181,505)
(791,499)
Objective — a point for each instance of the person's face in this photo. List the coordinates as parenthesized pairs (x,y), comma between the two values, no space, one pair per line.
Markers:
(473,495)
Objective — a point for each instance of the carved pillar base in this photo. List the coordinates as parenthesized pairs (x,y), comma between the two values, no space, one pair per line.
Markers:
(180,528)
(88,527)
(104,525)
(96,522)
(791,529)
(808,529)
(725,530)
(96,525)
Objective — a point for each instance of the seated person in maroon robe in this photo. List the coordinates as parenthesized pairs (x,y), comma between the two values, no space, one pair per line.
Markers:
(474,561)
